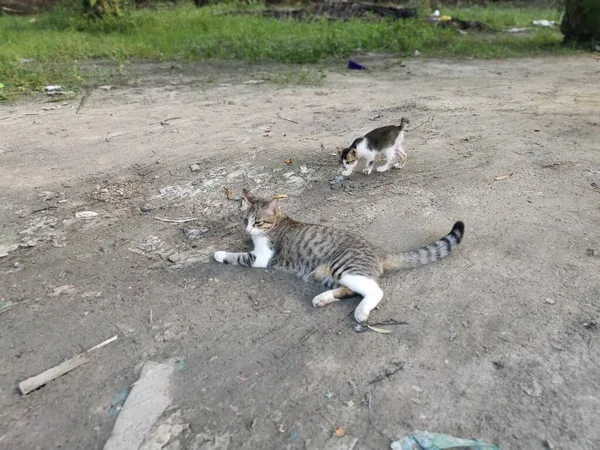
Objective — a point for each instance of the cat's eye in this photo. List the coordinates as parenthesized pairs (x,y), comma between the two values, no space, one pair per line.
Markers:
(258,224)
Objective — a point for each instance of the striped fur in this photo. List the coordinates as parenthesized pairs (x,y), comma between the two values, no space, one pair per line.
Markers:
(344,262)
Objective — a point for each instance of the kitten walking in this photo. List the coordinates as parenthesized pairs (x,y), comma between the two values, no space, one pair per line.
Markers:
(387,140)
(344,262)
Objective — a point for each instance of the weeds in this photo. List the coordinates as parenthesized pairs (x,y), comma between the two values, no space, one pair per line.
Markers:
(59,42)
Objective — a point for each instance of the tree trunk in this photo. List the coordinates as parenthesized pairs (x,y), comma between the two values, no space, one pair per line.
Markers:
(581,22)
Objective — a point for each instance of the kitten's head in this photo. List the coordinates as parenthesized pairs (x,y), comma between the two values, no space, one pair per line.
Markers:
(260,215)
(348,158)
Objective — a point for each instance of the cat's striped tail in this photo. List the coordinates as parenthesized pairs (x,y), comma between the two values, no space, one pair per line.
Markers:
(428,254)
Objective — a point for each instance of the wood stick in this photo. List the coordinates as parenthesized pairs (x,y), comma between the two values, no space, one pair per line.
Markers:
(191,219)
(33,383)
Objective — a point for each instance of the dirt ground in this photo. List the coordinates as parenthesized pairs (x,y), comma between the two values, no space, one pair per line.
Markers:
(501,340)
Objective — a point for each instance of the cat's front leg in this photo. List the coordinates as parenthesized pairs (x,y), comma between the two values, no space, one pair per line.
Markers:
(368,166)
(243,259)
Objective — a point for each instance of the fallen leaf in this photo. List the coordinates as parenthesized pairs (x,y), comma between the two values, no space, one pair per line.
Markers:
(378,330)
(339,432)
(288,161)
(279,196)
(503,177)
(228,193)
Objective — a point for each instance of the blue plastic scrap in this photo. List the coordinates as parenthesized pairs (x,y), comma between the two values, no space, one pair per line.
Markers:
(424,440)
(355,66)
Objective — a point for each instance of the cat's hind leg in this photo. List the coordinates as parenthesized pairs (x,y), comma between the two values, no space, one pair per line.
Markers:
(332,295)
(368,288)
(389,156)
(402,155)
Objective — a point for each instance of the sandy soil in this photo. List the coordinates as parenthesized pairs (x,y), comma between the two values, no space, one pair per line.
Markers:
(499,342)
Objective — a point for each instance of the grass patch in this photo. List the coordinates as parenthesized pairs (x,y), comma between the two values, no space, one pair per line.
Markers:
(60,41)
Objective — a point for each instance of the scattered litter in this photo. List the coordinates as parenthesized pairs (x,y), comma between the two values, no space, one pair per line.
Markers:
(503,177)
(33,383)
(66,289)
(352,65)
(165,122)
(379,330)
(389,322)
(535,390)
(517,30)
(418,389)
(166,430)
(550,301)
(195,167)
(254,82)
(592,325)
(85,215)
(417,53)
(146,208)
(375,117)
(337,179)
(48,108)
(424,440)
(339,432)
(146,402)
(117,402)
(396,366)
(288,161)
(194,233)
(190,219)
(329,395)
(227,193)
(279,196)
(150,244)
(543,23)
(52,88)
(108,87)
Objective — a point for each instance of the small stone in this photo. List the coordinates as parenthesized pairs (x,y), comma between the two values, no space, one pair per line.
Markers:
(194,167)
(146,208)
(85,215)
(418,389)
(550,301)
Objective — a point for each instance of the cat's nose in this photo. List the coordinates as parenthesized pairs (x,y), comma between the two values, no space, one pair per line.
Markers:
(249,229)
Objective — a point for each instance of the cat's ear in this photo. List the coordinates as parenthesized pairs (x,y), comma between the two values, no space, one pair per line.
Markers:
(248,196)
(352,153)
(272,208)
(247,199)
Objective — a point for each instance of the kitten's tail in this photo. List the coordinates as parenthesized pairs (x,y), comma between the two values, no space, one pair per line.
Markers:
(428,254)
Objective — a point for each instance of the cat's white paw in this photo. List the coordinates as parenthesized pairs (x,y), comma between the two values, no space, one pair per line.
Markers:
(323,299)
(347,173)
(367,171)
(360,314)
(220,256)
(398,165)
(383,168)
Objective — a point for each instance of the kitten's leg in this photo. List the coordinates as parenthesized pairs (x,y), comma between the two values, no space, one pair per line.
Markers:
(348,168)
(368,288)
(402,155)
(369,164)
(389,156)
(333,295)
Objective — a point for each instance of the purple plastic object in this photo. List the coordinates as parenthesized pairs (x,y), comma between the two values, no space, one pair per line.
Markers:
(355,66)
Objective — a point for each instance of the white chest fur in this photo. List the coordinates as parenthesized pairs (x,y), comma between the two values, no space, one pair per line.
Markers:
(262,251)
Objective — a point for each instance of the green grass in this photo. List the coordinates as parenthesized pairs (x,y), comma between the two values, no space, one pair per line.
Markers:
(61,42)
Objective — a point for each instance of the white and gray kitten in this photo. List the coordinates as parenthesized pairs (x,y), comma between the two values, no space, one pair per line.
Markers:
(387,140)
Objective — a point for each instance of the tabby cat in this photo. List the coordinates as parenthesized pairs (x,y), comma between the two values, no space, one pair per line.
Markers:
(387,140)
(344,262)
